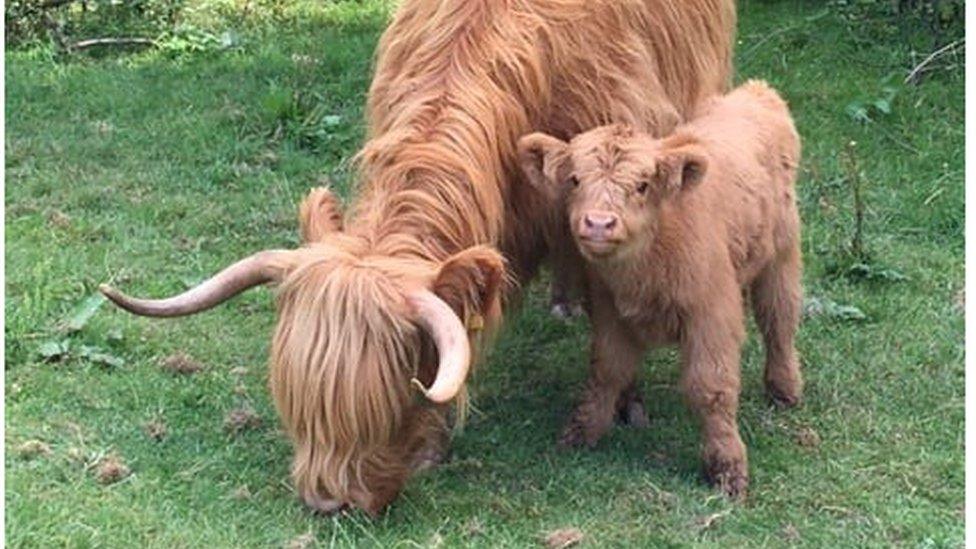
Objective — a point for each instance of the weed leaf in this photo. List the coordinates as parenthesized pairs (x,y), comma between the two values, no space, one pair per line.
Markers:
(865,271)
(83,313)
(52,351)
(858,112)
(98,356)
(821,306)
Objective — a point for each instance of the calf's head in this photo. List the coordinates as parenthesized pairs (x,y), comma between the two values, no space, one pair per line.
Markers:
(357,334)
(612,181)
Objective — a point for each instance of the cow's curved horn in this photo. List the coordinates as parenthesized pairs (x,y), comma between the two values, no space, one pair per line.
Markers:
(257,269)
(451,339)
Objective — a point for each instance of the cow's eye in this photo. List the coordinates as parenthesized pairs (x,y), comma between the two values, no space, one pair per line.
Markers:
(642,187)
(574,181)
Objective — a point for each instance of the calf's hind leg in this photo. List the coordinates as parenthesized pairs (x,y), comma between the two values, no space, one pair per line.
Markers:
(776,300)
(710,346)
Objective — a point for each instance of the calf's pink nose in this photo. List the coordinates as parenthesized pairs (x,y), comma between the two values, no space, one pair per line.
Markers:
(600,221)
(599,225)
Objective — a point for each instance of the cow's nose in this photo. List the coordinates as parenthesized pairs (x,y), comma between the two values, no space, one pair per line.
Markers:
(600,221)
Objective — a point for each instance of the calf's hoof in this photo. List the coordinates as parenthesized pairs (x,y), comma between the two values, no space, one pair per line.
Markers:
(784,391)
(571,437)
(633,414)
(578,433)
(730,476)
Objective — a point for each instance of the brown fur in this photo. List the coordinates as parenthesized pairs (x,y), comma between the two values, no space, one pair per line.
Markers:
(674,230)
(457,81)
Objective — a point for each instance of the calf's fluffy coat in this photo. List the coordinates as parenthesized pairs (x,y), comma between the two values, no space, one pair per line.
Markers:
(673,230)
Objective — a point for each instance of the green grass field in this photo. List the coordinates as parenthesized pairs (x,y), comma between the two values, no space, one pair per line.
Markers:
(154,168)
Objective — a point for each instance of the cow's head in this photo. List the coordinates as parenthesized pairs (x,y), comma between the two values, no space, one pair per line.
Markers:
(613,182)
(357,336)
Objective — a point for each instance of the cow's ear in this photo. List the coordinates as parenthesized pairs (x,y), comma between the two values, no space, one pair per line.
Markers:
(319,214)
(472,283)
(545,161)
(681,168)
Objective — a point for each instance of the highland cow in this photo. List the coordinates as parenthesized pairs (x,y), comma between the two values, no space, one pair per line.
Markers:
(394,294)
(673,231)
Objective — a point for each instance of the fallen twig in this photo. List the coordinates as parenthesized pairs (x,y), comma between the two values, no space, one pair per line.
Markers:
(913,75)
(83,44)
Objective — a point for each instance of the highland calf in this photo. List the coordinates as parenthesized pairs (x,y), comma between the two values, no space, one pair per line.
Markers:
(673,230)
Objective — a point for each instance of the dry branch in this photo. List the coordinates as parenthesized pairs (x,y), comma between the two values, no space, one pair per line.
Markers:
(83,44)
(950,47)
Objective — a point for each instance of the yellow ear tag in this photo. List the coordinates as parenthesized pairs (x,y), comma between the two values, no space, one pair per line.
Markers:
(476,323)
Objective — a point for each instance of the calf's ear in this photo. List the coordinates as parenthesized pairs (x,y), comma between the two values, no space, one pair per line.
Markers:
(681,168)
(472,282)
(544,160)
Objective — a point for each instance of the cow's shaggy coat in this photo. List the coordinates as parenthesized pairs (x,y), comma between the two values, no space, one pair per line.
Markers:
(674,230)
(457,82)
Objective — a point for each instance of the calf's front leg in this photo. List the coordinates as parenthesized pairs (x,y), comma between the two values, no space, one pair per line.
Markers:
(710,345)
(615,358)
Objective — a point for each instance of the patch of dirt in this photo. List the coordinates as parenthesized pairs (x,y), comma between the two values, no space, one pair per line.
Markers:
(241,419)
(155,430)
(32,449)
(268,157)
(301,542)
(707,521)
(564,537)
(791,534)
(473,527)
(181,363)
(807,437)
(76,454)
(657,496)
(59,219)
(304,61)
(111,470)
(241,493)
(103,127)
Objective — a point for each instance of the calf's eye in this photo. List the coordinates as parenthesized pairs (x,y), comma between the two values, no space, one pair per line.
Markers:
(642,187)
(574,181)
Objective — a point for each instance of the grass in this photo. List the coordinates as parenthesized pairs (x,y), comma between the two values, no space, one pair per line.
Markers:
(153,169)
